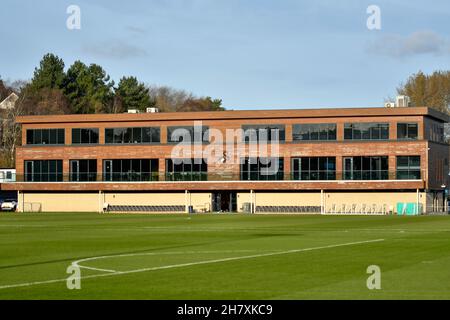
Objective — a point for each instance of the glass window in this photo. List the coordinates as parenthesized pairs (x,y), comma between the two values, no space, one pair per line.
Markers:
(85,136)
(408,167)
(366,168)
(314,168)
(186,169)
(45,136)
(130,170)
(109,135)
(132,135)
(43,170)
(313,131)
(187,134)
(266,133)
(262,168)
(366,131)
(83,170)
(407,131)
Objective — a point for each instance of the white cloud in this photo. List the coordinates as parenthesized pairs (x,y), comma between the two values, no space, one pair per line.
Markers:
(114,49)
(417,43)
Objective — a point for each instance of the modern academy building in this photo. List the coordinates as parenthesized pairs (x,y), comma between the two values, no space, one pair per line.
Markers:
(353,160)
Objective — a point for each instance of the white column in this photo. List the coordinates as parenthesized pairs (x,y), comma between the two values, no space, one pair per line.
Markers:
(322,208)
(251,201)
(417,200)
(100,202)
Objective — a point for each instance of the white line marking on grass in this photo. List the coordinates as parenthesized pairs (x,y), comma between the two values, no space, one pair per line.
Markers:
(96,269)
(189,264)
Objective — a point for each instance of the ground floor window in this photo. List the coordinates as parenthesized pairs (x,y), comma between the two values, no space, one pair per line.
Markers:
(314,168)
(408,167)
(186,169)
(83,170)
(43,170)
(130,170)
(366,168)
(262,168)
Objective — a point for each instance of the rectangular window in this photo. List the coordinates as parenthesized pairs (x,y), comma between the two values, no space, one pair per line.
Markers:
(83,170)
(314,168)
(262,168)
(188,134)
(45,136)
(135,135)
(85,136)
(186,170)
(130,170)
(43,170)
(263,133)
(314,131)
(407,131)
(434,131)
(408,167)
(366,168)
(366,131)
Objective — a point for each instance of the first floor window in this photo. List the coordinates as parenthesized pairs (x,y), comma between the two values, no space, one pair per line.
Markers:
(263,168)
(314,168)
(83,170)
(43,170)
(366,168)
(408,167)
(130,170)
(186,169)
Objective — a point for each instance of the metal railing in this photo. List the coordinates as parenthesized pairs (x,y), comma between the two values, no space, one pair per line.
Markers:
(382,175)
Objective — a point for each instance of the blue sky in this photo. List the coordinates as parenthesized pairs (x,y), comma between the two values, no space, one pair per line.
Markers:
(253,54)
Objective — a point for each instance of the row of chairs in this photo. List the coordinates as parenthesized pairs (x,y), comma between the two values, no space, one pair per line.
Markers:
(287,209)
(125,208)
(358,209)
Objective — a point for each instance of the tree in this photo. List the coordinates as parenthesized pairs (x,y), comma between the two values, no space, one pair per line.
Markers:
(49,74)
(89,89)
(44,101)
(428,90)
(202,104)
(168,99)
(11,134)
(131,94)
(172,100)
(5,91)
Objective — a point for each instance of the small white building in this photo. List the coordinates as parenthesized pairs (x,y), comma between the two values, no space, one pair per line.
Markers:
(9,102)
(7,175)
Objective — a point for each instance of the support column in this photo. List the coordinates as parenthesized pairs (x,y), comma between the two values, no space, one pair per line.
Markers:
(417,200)
(19,206)
(186,201)
(252,201)
(322,204)
(100,201)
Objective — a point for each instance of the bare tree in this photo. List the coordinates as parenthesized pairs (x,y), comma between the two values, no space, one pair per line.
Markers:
(11,133)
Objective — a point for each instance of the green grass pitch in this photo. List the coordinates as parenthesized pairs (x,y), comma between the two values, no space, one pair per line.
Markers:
(223,256)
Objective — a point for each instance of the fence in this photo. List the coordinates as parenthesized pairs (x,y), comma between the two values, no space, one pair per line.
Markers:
(32,207)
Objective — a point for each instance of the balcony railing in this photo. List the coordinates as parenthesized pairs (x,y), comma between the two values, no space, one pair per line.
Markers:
(223,176)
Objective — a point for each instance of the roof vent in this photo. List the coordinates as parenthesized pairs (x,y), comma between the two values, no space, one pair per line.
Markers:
(402,101)
(133,111)
(152,110)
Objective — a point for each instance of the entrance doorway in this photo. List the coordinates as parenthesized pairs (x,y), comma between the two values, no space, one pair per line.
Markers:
(224,201)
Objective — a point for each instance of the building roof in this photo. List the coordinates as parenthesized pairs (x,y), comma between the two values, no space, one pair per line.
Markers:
(238,114)
(9,101)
